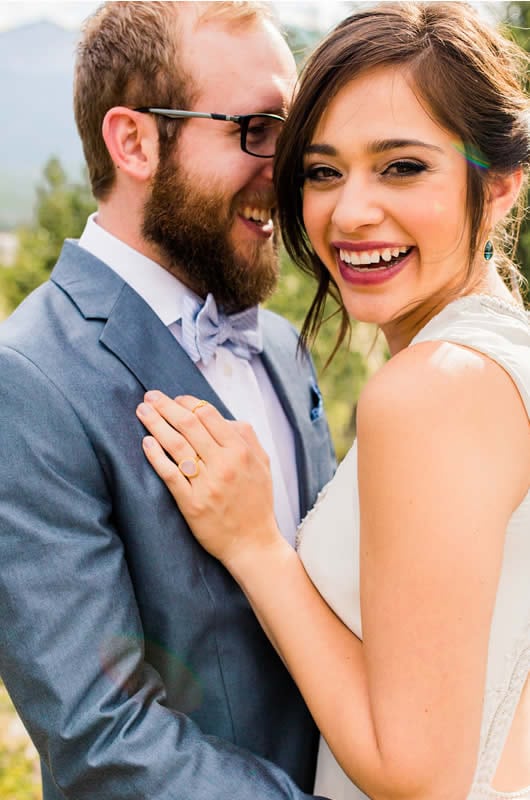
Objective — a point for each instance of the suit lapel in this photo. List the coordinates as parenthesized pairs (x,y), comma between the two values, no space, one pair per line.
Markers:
(133,332)
(289,378)
(148,348)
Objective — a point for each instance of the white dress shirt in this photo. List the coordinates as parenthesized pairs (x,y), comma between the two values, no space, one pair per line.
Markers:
(243,386)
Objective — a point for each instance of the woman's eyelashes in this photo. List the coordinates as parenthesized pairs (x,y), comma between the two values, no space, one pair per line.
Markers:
(402,168)
(319,173)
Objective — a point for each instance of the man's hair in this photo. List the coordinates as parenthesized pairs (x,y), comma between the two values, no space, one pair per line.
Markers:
(130,54)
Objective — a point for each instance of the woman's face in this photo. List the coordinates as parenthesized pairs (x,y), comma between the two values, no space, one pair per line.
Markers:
(384,201)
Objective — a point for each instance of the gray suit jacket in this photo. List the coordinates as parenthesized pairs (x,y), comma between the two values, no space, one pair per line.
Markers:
(131,655)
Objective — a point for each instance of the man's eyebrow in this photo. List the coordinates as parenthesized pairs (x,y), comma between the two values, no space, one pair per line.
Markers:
(280,111)
(279,107)
(378,146)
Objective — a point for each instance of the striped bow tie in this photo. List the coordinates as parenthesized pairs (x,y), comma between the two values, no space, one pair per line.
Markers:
(205,327)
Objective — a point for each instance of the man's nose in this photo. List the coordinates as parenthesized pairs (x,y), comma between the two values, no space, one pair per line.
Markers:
(358,204)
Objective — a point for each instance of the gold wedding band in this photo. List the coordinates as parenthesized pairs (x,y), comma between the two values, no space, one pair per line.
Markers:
(200,404)
(189,467)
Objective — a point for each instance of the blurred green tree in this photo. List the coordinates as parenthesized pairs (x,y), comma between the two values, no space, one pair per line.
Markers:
(19,767)
(61,210)
(517,20)
(341,381)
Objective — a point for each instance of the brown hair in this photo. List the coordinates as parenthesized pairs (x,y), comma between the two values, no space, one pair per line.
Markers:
(129,56)
(469,76)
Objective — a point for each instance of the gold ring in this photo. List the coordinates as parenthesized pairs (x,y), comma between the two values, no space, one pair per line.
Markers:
(189,467)
(200,404)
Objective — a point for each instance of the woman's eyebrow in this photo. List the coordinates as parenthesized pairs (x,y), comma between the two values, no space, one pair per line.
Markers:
(382,145)
(320,149)
(378,146)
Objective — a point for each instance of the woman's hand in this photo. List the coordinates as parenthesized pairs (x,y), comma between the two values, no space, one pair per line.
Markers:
(217,472)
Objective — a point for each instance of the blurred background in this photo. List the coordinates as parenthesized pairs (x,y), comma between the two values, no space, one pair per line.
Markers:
(44,198)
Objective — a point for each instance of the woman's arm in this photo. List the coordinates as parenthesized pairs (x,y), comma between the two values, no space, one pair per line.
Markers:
(437,485)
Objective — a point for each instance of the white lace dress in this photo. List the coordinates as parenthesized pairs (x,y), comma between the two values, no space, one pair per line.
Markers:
(328,544)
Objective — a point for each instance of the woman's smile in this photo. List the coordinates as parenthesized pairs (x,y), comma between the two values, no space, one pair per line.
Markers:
(369,263)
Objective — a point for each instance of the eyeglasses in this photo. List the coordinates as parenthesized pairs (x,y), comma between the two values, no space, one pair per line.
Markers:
(259,132)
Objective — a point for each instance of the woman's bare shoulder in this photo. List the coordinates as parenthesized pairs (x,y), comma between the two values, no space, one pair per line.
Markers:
(454,396)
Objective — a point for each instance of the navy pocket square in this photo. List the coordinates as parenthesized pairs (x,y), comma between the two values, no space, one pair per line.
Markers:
(317,406)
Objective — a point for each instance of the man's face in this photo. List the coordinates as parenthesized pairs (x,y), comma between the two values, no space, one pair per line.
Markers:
(211,207)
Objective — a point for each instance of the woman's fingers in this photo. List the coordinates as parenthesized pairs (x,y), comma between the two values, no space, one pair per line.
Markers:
(225,492)
(228,433)
(165,434)
(225,432)
(166,469)
(166,419)
(188,419)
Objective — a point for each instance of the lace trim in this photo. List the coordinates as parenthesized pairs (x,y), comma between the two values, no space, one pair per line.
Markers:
(501,719)
(320,497)
(469,302)
(497,304)
(488,793)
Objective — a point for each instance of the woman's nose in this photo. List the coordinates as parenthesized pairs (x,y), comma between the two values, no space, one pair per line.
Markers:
(358,205)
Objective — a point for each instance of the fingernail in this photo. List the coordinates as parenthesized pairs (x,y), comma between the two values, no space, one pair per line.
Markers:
(152,396)
(148,442)
(144,410)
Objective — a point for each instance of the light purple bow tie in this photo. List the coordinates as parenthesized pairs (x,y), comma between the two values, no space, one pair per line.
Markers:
(205,327)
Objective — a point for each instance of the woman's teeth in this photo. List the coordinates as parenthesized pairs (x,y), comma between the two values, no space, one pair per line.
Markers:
(372,259)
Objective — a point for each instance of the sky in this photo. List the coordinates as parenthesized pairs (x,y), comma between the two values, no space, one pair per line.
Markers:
(70,14)
(67,14)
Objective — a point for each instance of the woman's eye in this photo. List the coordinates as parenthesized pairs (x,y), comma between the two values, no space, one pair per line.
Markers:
(320,174)
(404,169)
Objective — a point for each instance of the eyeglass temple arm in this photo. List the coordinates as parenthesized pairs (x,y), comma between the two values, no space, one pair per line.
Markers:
(165,112)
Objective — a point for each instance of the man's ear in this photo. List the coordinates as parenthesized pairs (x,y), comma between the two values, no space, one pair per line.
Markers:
(132,141)
(502,194)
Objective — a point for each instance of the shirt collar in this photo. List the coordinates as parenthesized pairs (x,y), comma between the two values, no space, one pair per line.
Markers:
(161,290)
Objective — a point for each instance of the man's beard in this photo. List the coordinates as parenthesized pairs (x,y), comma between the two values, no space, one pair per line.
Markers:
(192,232)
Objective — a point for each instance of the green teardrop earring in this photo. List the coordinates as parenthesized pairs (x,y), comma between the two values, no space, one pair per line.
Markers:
(488,250)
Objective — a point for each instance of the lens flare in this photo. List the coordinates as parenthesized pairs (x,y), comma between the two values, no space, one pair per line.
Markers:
(472,154)
(121,661)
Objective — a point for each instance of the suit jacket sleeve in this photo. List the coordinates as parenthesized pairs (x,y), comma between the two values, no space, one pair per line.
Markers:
(98,721)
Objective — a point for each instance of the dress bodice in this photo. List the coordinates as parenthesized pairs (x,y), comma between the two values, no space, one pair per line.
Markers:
(328,545)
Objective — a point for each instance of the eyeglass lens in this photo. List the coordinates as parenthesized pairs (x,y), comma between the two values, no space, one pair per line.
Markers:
(260,134)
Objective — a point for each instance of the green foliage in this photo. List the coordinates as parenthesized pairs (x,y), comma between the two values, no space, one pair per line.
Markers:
(19,769)
(342,380)
(17,190)
(301,42)
(61,211)
(517,18)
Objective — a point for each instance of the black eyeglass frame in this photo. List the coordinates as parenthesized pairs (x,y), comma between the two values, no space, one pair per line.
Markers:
(243,120)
